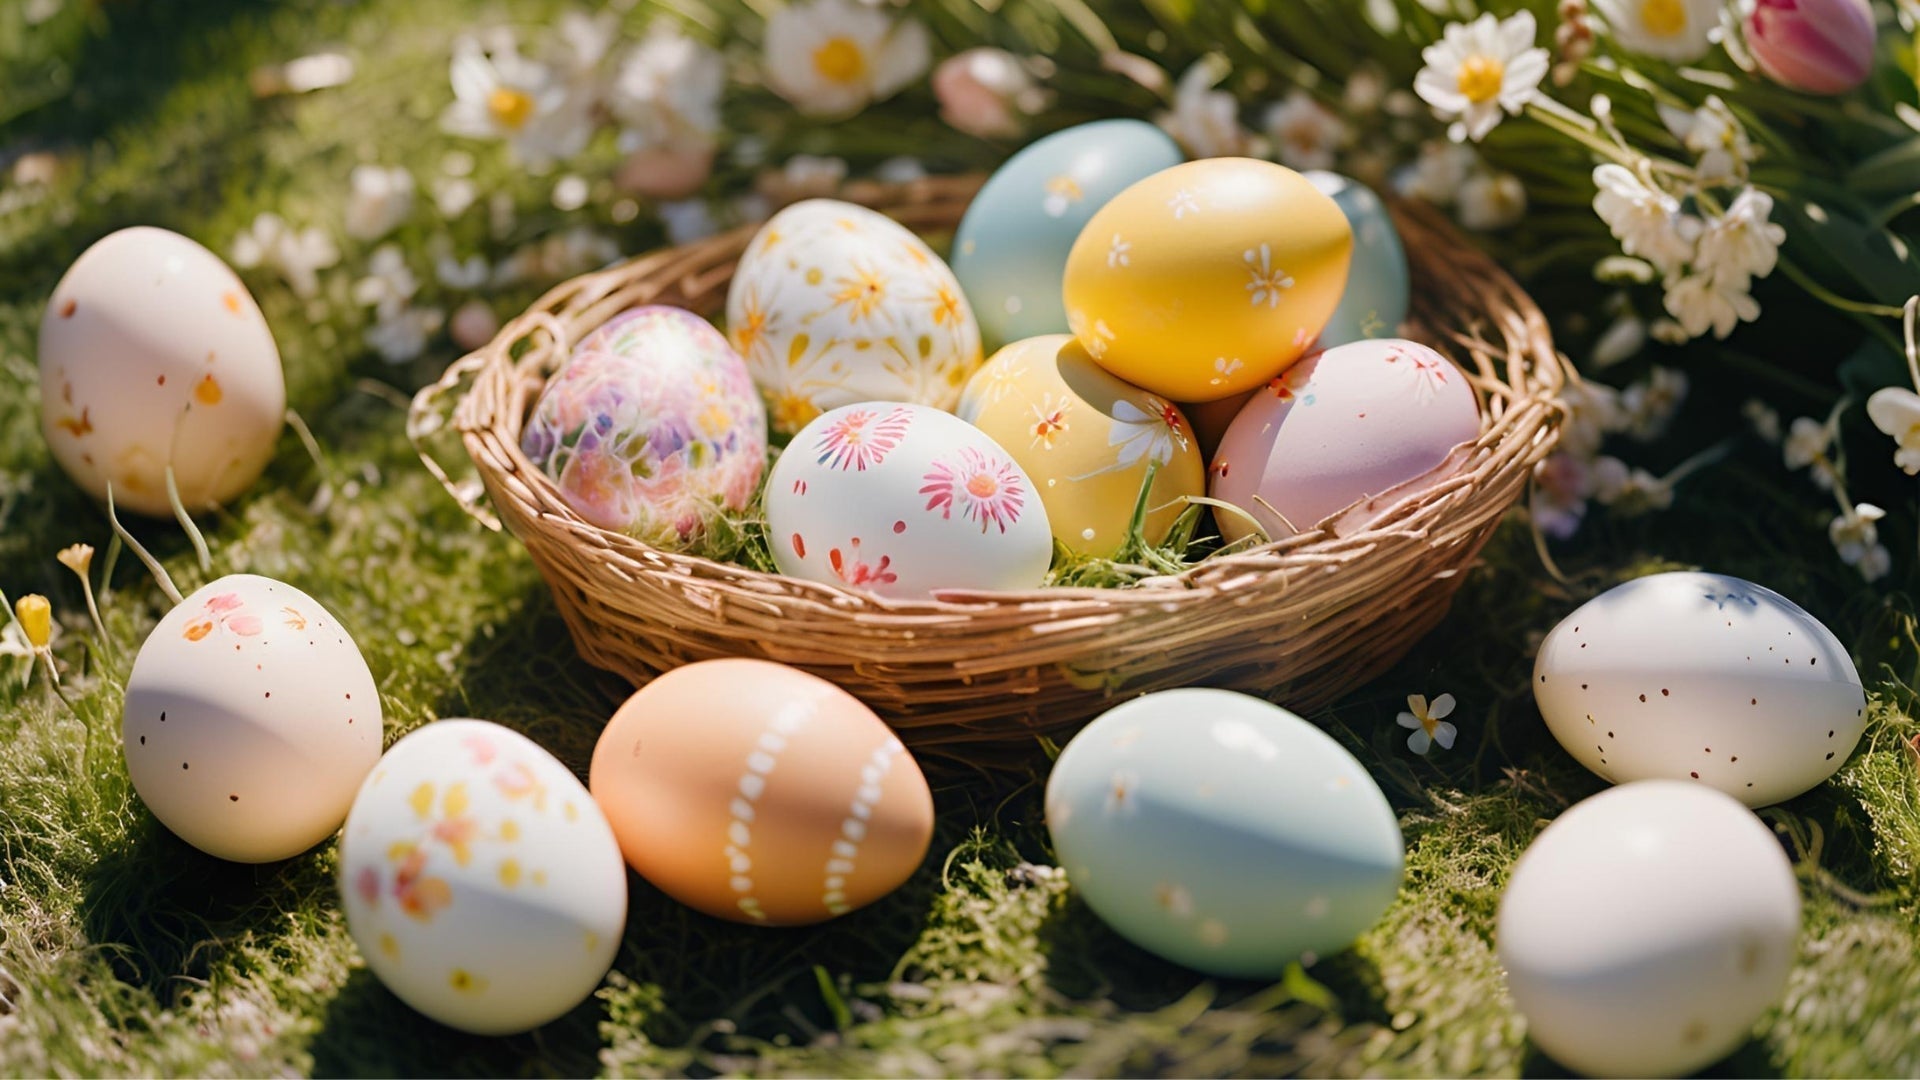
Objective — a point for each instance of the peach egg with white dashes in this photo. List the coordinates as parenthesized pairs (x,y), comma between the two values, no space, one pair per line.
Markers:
(756,792)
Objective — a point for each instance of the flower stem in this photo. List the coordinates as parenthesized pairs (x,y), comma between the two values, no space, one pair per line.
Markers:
(1832,299)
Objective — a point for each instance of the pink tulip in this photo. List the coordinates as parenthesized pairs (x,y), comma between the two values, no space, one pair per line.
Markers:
(1816,46)
(986,92)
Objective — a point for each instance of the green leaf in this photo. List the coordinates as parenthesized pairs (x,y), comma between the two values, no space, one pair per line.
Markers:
(1871,367)
(1893,171)
(1851,258)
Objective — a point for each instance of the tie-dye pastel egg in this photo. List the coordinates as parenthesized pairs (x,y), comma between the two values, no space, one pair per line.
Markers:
(1378,287)
(756,792)
(1208,279)
(1010,252)
(154,355)
(834,304)
(1360,428)
(250,720)
(480,879)
(1088,441)
(904,501)
(1222,832)
(651,428)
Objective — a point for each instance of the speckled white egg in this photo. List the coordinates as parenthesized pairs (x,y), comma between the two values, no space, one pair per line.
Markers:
(1647,929)
(903,500)
(480,880)
(834,304)
(1704,678)
(1222,832)
(1371,422)
(250,720)
(152,353)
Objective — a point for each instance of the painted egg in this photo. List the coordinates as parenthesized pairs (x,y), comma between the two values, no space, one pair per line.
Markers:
(1704,678)
(1011,249)
(756,792)
(480,880)
(652,427)
(1087,440)
(902,501)
(1222,832)
(250,720)
(1378,287)
(1647,929)
(152,353)
(834,304)
(1372,422)
(1207,279)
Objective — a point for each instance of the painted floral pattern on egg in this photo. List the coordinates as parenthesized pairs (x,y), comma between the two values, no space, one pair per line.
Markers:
(835,304)
(652,428)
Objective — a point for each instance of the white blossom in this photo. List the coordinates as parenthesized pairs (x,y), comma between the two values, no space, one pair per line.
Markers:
(1808,445)
(1857,540)
(462,275)
(667,92)
(389,283)
(1593,413)
(1650,404)
(1305,134)
(1715,136)
(1647,221)
(1562,484)
(1438,173)
(1679,31)
(298,255)
(452,195)
(1896,412)
(1621,341)
(1741,244)
(1478,69)
(1702,302)
(1203,120)
(1629,489)
(401,333)
(500,94)
(1761,417)
(833,57)
(1491,201)
(1428,722)
(380,200)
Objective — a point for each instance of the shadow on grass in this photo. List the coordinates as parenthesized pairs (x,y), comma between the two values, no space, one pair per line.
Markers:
(366,1031)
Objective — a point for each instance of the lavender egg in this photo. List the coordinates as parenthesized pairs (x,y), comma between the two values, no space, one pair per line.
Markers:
(652,428)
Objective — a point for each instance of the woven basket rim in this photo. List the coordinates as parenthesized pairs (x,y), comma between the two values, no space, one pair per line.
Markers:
(1522,401)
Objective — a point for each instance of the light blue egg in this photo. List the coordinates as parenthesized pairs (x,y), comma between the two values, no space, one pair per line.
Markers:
(1378,289)
(1011,250)
(1222,832)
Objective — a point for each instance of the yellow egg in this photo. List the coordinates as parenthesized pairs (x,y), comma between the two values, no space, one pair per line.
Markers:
(1086,439)
(1208,279)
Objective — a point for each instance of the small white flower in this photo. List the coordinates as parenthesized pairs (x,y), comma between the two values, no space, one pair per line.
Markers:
(1141,433)
(1117,253)
(833,57)
(1183,203)
(1647,221)
(1305,134)
(1438,173)
(1480,68)
(1764,421)
(1203,120)
(1629,490)
(1702,302)
(1365,91)
(17,651)
(1593,413)
(1896,412)
(1428,722)
(1651,404)
(1562,484)
(401,333)
(570,193)
(1621,341)
(667,91)
(389,283)
(503,95)
(1679,31)
(1857,540)
(1715,136)
(380,200)
(1808,440)
(462,275)
(1491,201)
(580,45)
(1741,244)
(1265,283)
(298,256)
(452,195)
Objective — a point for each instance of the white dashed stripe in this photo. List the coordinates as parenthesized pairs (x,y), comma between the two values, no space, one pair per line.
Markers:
(853,830)
(752,785)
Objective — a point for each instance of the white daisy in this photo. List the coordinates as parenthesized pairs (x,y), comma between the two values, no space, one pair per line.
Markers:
(1428,722)
(833,57)
(1480,68)
(667,91)
(381,198)
(1203,120)
(1680,31)
(1896,412)
(503,95)
(1305,134)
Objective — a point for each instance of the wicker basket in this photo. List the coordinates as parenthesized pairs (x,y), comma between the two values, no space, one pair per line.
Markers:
(976,679)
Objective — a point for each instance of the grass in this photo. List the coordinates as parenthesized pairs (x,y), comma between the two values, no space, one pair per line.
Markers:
(123,951)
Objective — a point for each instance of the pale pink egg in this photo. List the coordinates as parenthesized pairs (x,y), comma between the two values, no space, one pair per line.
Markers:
(1375,420)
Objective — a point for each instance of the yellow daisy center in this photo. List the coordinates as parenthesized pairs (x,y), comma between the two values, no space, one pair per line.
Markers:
(1481,78)
(1664,18)
(511,108)
(840,60)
